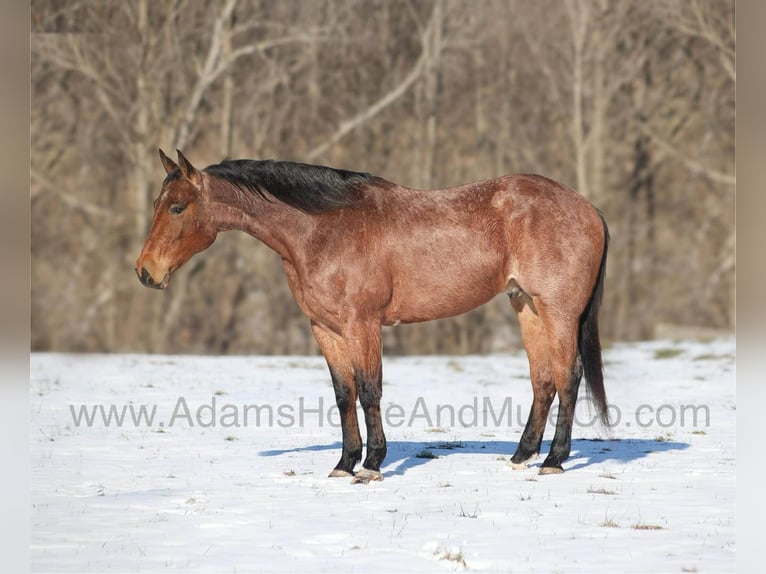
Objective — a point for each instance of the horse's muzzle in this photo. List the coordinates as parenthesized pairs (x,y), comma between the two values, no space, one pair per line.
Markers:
(146,279)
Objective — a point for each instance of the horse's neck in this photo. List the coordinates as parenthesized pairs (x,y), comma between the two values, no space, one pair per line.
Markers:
(277,225)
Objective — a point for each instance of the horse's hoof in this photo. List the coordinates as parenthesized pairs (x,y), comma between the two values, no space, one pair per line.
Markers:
(523,464)
(339,473)
(365,476)
(551,470)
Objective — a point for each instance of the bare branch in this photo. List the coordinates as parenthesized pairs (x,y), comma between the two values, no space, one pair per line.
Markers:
(373,110)
(204,79)
(704,25)
(259,47)
(689,163)
(46,186)
(215,65)
(382,103)
(70,57)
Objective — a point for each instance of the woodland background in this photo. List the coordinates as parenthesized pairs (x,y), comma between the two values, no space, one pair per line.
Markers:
(631,103)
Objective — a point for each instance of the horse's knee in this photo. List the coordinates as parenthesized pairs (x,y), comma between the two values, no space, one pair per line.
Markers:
(369,390)
(345,396)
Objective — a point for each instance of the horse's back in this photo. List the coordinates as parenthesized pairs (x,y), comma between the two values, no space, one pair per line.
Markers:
(448,251)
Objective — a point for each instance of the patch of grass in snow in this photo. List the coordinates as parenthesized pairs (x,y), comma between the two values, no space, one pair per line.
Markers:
(610,523)
(454,556)
(713,357)
(606,491)
(608,475)
(667,353)
(231,438)
(451,445)
(455,366)
(436,429)
(699,432)
(425,453)
(289,472)
(645,526)
(688,569)
(464,514)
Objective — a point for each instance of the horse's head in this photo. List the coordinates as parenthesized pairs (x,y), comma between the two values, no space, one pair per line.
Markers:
(182,224)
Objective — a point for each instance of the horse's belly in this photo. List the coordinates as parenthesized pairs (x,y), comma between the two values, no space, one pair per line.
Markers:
(426,294)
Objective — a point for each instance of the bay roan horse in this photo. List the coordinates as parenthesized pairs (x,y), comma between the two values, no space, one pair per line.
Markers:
(361,252)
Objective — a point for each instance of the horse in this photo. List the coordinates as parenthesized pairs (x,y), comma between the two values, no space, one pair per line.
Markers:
(360,252)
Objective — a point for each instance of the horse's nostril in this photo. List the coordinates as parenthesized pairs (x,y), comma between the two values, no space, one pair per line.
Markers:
(146,279)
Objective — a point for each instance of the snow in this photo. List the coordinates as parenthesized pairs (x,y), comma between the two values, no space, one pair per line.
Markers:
(656,494)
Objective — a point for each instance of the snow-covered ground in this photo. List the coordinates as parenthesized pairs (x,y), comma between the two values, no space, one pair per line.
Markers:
(201,489)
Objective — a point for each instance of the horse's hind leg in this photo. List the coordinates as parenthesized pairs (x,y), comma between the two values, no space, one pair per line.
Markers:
(567,374)
(562,440)
(535,339)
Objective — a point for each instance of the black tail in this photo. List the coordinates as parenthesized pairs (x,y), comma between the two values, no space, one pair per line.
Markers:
(589,344)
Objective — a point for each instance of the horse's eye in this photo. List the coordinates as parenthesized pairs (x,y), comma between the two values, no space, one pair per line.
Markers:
(177,208)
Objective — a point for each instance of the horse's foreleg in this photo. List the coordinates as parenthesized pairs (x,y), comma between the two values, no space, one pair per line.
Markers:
(335,350)
(370,386)
(345,398)
(369,383)
(356,369)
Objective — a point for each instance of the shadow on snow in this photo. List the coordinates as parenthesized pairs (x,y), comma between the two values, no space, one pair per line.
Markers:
(404,455)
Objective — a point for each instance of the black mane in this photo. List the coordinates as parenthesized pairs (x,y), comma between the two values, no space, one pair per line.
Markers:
(310,188)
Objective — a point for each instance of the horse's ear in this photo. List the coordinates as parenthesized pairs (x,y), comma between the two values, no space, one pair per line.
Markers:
(188,170)
(167,163)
